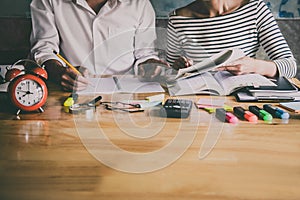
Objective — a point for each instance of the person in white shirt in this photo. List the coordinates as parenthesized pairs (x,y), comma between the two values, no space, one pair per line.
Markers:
(104,36)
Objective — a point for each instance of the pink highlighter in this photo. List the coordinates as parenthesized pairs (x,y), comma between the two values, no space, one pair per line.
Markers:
(223,116)
(231,118)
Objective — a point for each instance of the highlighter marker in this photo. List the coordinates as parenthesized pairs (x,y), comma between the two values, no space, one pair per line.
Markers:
(276,112)
(223,116)
(231,118)
(262,114)
(212,109)
(71,100)
(243,114)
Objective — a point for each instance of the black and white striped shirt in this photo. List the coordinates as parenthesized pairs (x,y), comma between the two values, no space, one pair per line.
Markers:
(247,28)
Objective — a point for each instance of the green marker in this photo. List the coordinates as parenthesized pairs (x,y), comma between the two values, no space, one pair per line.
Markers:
(265,115)
(262,114)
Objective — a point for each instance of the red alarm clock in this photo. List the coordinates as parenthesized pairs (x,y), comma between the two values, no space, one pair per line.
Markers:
(27,88)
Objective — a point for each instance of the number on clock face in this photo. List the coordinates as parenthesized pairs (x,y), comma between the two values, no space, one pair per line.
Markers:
(28,92)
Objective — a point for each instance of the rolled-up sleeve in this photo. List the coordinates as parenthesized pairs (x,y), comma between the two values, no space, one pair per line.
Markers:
(274,43)
(145,36)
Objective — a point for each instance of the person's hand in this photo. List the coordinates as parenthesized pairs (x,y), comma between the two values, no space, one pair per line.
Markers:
(244,65)
(247,65)
(151,70)
(70,80)
(66,77)
(182,62)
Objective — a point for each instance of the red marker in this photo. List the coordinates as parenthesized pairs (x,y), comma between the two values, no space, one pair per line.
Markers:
(243,114)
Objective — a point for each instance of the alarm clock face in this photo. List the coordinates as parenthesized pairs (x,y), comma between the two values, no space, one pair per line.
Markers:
(28,92)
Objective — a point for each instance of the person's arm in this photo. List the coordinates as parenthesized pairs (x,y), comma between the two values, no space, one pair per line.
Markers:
(44,35)
(274,43)
(282,61)
(44,39)
(145,36)
(147,65)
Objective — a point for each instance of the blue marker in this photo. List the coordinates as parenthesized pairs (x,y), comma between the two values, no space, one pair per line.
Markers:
(276,112)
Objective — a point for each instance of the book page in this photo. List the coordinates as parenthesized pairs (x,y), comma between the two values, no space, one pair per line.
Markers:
(202,84)
(211,63)
(231,83)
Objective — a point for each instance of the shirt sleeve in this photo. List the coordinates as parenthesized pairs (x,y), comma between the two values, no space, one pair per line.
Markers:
(173,43)
(274,43)
(44,36)
(145,36)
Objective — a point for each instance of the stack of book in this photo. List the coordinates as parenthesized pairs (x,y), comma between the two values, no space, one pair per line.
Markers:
(282,90)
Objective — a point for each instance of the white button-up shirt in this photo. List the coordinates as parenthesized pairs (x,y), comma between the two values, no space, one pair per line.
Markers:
(119,37)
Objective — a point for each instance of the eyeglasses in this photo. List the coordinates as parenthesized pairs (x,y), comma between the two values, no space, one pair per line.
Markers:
(127,107)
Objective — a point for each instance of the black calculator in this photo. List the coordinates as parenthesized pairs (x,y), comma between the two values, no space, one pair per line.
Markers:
(177,108)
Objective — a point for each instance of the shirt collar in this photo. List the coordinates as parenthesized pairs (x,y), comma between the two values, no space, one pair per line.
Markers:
(111,3)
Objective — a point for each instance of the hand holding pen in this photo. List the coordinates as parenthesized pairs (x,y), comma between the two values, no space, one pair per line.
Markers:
(68,77)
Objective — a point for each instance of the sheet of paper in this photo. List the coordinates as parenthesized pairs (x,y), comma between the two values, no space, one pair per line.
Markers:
(3,87)
(211,63)
(133,85)
(120,85)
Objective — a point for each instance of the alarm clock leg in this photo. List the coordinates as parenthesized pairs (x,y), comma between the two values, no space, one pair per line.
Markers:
(41,109)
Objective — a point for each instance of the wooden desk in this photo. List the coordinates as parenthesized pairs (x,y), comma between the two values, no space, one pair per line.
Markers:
(43,157)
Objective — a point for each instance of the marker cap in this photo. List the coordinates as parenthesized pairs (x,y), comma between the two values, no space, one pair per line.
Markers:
(283,115)
(265,115)
(250,116)
(231,118)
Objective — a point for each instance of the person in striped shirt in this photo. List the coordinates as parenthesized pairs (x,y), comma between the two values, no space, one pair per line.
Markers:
(206,27)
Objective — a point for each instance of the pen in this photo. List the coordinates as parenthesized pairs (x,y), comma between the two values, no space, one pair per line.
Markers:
(67,63)
(94,101)
(116,80)
(223,116)
(276,112)
(262,114)
(243,114)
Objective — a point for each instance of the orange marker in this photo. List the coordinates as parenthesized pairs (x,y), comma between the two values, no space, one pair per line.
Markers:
(243,114)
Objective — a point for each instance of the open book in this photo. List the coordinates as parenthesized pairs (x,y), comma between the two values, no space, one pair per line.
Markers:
(217,60)
(220,83)
(116,84)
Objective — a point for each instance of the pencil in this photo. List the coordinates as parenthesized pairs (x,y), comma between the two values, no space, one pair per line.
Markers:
(67,63)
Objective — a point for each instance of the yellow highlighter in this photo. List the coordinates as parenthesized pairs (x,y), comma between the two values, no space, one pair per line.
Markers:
(70,100)
(213,109)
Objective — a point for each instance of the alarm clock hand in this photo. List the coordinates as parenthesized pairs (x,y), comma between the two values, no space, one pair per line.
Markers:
(22,91)
(28,92)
